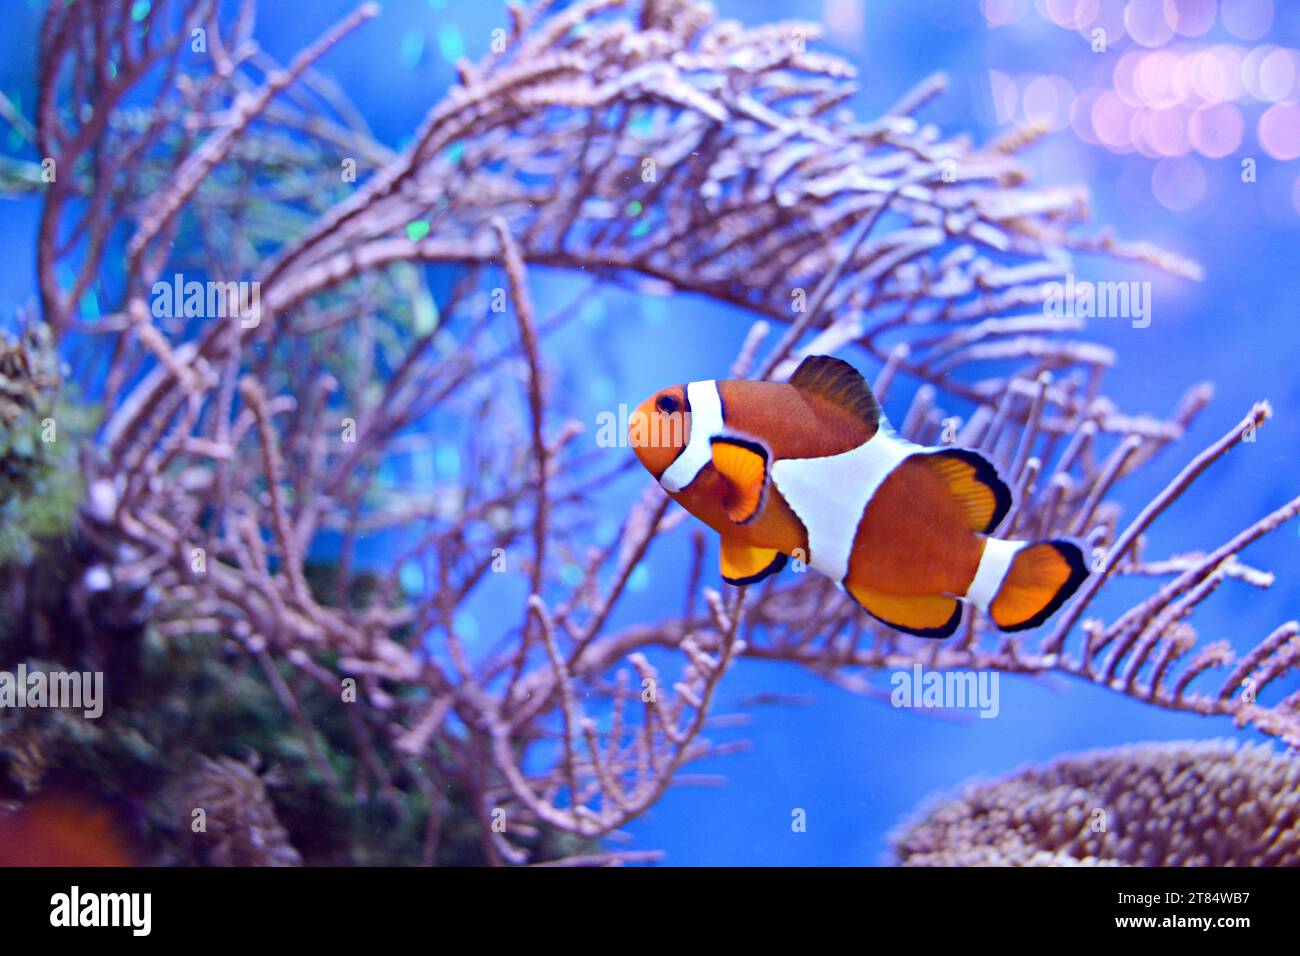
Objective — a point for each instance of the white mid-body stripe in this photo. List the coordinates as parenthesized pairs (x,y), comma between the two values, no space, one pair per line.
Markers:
(994,564)
(831,494)
(706,424)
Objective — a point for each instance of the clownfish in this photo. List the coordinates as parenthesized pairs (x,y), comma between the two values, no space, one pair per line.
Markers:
(65,828)
(811,468)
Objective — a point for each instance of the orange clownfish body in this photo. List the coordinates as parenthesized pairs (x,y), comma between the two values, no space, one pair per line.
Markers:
(811,468)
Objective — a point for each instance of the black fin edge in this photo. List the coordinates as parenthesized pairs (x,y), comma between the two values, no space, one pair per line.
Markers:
(1073,555)
(934,633)
(987,473)
(777,564)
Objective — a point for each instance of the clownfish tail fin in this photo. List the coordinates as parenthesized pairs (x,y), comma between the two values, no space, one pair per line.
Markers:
(1022,585)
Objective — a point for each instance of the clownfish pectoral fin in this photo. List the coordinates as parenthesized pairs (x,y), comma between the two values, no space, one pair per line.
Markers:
(744,564)
(975,483)
(839,383)
(1040,579)
(936,616)
(744,465)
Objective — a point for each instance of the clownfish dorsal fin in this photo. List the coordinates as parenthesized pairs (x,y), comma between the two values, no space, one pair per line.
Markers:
(745,564)
(975,483)
(839,383)
(744,465)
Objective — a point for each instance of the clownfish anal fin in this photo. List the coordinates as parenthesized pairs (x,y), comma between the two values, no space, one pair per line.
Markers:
(839,383)
(935,617)
(975,483)
(745,564)
(744,465)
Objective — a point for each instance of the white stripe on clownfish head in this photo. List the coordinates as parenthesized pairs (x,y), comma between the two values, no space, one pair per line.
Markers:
(995,562)
(830,495)
(704,406)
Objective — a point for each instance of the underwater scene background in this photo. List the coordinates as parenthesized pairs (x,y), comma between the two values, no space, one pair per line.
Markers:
(821,769)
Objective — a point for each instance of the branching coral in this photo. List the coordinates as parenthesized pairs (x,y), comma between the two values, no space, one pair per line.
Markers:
(1206,803)
(646,143)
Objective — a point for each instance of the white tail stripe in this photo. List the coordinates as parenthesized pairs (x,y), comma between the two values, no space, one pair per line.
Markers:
(705,423)
(830,495)
(994,565)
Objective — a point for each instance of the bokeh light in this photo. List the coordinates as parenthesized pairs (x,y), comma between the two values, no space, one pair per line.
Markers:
(1190,18)
(1152,79)
(1140,135)
(1247,19)
(1277,75)
(1064,13)
(1111,119)
(1178,183)
(1167,131)
(1081,115)
(844,19)
(1047,102)
(1006,100)
(1148,22)
(1123,78)
(1000,13)
(1105,15)
(1279,131)
(1215,130)
(1216,73)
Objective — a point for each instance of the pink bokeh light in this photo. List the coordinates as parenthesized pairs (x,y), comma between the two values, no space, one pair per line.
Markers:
(1247,19)
(1111,121)
(1047,102)
(1081,115)
(1153,79)
(1148,22)
(1178,183)
(1000,13)
(1190,18)
(1279,131)
(1216,72)
(1166,131)
(1277,75)
(1216,129)
(1104,15)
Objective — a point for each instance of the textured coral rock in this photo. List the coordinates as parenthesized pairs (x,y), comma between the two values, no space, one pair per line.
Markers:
(241,826)
(1204,803)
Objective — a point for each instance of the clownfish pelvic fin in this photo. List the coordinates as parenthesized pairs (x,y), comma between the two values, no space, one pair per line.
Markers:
(745,564)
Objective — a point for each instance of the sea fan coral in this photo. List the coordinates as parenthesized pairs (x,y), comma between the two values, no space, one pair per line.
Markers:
(1201,803)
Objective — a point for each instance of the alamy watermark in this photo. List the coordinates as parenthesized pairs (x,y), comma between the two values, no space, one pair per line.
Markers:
(946,690)
(209,300)
(636,429)
(133,911)
(68,690)
(1082,299)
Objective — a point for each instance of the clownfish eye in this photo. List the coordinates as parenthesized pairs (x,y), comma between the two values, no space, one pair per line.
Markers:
(667,404)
